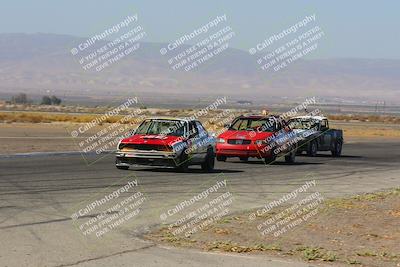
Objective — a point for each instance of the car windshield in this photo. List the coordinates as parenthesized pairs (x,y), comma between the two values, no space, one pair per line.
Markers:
(252,124)
(305,124)
(161,127)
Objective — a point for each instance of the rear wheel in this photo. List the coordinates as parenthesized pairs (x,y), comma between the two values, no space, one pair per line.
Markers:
(291,157)
(337,149)
(208,164)
(312,149)
(221,158)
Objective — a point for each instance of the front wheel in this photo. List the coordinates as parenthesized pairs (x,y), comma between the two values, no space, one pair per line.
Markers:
(291,157)
(337,149)
(312,149)
(221,158)
(209,162)
(183,165)
(270,160)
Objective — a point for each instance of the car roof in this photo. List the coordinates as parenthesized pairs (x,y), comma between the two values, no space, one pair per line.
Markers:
(256,116)
(169,119)
(320,118)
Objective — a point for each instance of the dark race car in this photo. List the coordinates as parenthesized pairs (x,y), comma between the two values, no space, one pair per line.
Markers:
(316,135)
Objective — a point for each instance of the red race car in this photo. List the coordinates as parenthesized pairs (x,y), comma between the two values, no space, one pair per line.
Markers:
(168,142)
(266,137)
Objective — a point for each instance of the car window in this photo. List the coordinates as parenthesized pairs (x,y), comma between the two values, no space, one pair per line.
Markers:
(193,132)
(143,127)
(256,124)
(305,124)
(324,124)
(278,126)
(200,128)
(239,124)
(166,127)
(250,124)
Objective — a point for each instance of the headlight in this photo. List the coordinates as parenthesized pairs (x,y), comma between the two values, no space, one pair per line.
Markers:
(220,140)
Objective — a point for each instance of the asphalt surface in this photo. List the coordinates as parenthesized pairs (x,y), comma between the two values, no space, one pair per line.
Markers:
(38,195)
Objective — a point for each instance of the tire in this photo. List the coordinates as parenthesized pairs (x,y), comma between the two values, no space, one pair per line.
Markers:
(291,157)
(245,159)
(337,149)
(122,167)
(221,158)
(312,149)
(183,165)
(208,164)
(269,160)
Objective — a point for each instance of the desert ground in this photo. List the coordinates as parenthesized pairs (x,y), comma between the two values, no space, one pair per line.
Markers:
(42,164)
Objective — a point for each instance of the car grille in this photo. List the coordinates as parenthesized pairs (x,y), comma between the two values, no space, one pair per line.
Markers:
(144,147)
(239,142)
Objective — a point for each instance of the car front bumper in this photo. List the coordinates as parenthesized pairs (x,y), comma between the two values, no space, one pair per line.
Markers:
(144,157)
(254,151)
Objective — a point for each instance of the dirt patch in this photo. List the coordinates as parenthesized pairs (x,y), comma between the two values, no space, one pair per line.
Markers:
(367,130)
(362,230)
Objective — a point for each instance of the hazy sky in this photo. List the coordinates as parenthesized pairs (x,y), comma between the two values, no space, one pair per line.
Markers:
(362,29)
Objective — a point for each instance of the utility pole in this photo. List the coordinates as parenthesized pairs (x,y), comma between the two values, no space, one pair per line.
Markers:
(384,106)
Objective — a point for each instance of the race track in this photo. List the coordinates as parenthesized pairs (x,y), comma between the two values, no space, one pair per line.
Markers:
(38,195)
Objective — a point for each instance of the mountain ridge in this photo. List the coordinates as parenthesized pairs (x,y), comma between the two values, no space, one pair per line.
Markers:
(40,62)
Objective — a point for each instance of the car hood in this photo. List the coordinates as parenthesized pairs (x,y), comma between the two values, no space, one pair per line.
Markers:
(248,135)
(305,132)
(151,139)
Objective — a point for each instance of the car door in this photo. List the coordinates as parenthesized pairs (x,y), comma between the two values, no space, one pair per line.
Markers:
(281,137)
(203,141)
(326,137)
(193,142)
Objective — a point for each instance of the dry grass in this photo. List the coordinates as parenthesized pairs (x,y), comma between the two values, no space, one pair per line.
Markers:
(368,130)
(44,117)
(352,130)
(372,133)
(366,118)
(345,230)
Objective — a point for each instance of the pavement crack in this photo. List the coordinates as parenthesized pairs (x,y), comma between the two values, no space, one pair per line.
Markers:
(34,223)
(106,256)
(51,221)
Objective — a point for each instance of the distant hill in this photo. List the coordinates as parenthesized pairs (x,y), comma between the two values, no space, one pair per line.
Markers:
(40,62)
